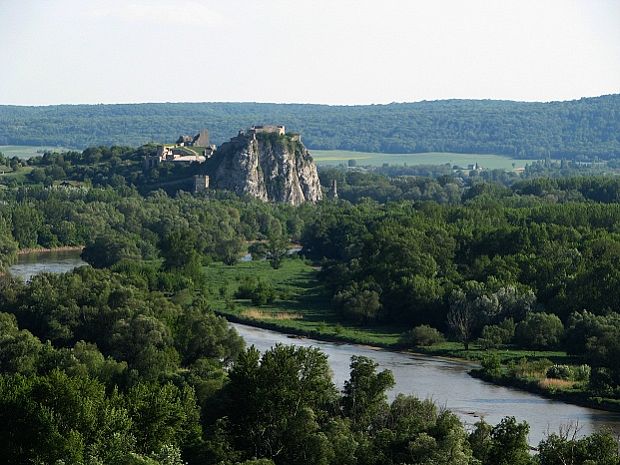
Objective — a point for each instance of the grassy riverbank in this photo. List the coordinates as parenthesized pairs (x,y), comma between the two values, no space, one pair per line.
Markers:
(302,307)
(551,389)
(36,250)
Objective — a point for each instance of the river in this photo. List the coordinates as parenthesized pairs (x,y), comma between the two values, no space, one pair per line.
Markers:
(443,380)
(34,263)
(448,384)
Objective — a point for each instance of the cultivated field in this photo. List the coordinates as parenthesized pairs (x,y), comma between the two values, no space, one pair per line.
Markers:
(337,157)
(28,151)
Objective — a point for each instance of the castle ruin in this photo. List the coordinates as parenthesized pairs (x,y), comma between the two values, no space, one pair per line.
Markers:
(186,150)
(199,140)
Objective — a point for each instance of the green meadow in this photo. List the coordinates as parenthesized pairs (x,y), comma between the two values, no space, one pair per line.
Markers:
(28,151)
(338,157)
(302,304)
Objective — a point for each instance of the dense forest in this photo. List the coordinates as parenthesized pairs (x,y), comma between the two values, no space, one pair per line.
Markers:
(125,361)
(583,129)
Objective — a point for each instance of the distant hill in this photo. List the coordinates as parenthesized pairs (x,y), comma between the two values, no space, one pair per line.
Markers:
(579,129)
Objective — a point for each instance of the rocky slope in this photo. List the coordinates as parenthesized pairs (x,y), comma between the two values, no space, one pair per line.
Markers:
(271,167)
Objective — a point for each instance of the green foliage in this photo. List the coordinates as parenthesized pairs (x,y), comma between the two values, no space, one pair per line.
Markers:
(107,250)
(162,415)
(540,331)
(597,338)
(277,247)
(8,246)
(423,335)
(358,303)
(600,448)
(365,392)
(495,336)
(577,373)
(509,443)
(57,417)
(135,367)
(259,291)
(560,372)
(278,403)
(491,364)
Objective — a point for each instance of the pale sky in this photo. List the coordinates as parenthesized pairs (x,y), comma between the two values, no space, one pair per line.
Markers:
(319,51)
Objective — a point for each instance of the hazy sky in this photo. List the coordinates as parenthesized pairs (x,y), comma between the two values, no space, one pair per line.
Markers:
(319,51)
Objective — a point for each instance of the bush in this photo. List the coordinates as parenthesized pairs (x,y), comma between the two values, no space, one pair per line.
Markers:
(495,336)
(560,372)
(540,331)
(602,382)
(525,368)
(582,373)
(258,291)
(358,303)
(491,364)
(258,250)
(423,335)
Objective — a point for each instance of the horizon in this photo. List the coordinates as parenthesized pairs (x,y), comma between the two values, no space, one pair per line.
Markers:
(343,53)
(311,103)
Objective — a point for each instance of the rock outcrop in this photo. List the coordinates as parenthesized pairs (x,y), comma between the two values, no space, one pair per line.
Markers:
(273,167)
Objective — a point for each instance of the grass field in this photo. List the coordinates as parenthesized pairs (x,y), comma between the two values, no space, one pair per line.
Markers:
(28,151)
(337,157)
(303,306)
(6,174)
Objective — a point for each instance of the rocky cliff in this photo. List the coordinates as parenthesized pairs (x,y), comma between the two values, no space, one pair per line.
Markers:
(272,167)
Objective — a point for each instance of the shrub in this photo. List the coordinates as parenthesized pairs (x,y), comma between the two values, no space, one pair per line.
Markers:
(258,291)
(491,364)
(567,372)
(423,335)
(540,331)
(582,373)
(525,368)
(560,372)
(495,336)
(358,303)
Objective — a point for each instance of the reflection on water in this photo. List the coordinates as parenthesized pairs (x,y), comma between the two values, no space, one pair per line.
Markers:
(32,264)
(448,384)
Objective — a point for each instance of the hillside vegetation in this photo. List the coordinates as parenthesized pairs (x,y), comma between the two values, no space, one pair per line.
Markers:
(581,129)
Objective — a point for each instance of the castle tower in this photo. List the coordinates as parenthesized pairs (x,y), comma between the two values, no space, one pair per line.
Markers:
(333,191)
(201,183)
(201,139)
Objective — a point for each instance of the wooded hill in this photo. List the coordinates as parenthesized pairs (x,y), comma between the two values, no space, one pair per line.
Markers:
(581,129)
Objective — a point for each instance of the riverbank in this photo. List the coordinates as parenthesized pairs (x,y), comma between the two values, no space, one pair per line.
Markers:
(533,386)
(581,399)
(302,308)
(66,248)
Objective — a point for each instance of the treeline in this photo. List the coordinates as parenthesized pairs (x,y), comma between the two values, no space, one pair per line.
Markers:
(400,184)
(581,129)
(119,223)
(114,166)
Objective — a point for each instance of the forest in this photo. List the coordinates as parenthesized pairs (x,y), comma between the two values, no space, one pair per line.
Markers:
(125,361)
(585,129)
